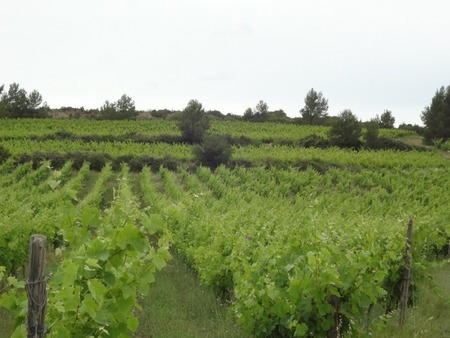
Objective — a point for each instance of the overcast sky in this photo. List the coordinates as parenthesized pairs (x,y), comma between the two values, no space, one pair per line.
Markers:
(362,55)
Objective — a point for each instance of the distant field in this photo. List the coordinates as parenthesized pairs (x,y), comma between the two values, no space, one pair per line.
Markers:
(12,128)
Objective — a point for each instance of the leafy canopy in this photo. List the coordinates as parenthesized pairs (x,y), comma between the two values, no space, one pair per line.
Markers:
(316,107)
(261,107)
(346,130)
(16,103)
(194,122)
(371,135)
(122,109)
(387,120)
(214,151)
(436,117)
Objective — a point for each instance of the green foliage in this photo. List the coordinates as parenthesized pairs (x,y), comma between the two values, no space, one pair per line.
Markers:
(314,141)
(371,134)
(16,103)
(121,110)
(346,130)
(194,122)
(387,120)
(436,117)
(315,109)
(261,113)
(261,108)
(164,113)
(413,128)
(441,144)
(277,116)
(269,239)
(248,114)
(389,143)
(214,151)
(193,310)
(104,263)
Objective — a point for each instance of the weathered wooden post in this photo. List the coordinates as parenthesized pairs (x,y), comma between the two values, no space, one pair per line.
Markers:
(36,287)
(335,302)
(406,274)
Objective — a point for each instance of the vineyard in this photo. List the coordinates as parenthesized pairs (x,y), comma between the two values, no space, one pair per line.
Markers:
(300,241)
(24,128)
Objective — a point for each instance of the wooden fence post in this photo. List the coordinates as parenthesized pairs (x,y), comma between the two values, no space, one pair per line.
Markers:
(36,287)
(406,274)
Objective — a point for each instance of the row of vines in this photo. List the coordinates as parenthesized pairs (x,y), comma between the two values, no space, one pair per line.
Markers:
(278,243)
(19,128)
(103,256)
(300,241)
(255,155)
(282,244)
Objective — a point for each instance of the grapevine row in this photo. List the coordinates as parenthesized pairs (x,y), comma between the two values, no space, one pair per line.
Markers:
(281,253)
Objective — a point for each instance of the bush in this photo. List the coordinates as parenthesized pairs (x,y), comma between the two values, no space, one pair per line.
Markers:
(371,135)
(214,151)
(194,122)
(436,117)
(389,143)
(346,130)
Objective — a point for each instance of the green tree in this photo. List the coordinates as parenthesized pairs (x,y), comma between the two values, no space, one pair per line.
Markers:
(316,107)
(17,103)
(108,110)
(371,134)
(436,117)
(213,151)
(194,122)
(387,120)
(261,108)
(3,109)
(346,130)
(122,109)
(277,116)
(125,105)
(259,114)
(248,114)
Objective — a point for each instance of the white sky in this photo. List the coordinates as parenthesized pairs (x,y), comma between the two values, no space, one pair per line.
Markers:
(363,55)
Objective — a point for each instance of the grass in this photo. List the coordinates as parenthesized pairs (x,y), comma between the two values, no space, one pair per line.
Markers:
(415,140)
(5,323)
(180,306)
(431,315)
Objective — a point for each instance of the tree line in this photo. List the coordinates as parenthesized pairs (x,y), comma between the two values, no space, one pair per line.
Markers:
(17,103)
(346,131)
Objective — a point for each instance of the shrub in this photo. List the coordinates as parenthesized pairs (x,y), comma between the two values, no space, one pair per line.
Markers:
(346,130)
(389,143)
(214,151)
(194,122)
(371,134)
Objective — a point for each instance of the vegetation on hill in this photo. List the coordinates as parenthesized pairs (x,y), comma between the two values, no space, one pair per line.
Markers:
(436,116)
(299,228)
